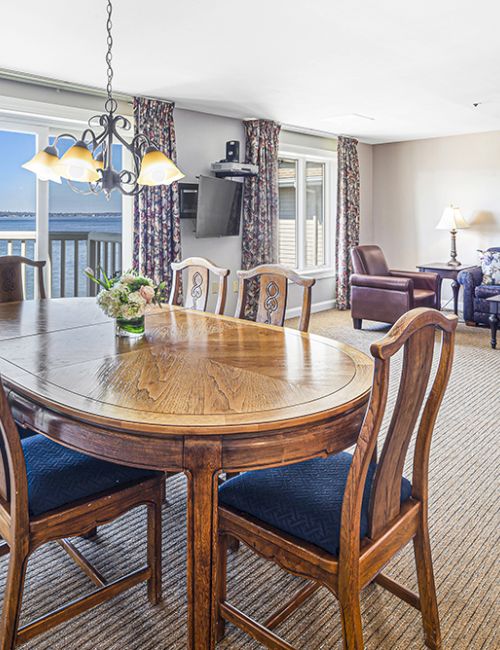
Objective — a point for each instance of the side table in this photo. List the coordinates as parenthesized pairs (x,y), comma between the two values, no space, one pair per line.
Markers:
(446,272)
(494,305)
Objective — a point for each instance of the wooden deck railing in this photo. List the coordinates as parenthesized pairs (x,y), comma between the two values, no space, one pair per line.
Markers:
(69,254)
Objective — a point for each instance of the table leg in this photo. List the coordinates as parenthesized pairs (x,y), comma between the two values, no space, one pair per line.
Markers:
(202,462)
(455,286)
(494,329)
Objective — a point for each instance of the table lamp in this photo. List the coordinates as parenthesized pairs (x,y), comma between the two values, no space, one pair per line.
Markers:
(452,220)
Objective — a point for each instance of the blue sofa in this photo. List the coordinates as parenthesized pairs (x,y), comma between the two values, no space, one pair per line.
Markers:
(475,294)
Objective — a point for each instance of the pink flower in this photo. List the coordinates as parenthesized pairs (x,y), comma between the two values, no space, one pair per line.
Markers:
(148,293)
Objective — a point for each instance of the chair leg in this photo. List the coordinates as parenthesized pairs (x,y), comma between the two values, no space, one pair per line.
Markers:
(426,587)
(357,323)
(155,551)
(221,583)
(12,599)
(352,629)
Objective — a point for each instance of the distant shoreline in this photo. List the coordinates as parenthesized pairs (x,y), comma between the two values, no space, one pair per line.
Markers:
(6,213)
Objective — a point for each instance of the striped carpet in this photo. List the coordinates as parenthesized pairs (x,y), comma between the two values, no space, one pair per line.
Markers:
(464,530)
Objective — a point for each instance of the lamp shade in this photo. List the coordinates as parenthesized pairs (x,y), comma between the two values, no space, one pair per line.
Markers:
(158,169)
(78,165)
(452,219)
(45,164)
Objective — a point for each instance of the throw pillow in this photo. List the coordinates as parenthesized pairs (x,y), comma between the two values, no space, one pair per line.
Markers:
(490,265)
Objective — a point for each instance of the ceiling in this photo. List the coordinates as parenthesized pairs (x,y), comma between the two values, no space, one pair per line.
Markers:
(384,71)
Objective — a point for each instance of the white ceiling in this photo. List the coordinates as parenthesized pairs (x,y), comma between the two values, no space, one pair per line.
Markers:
(415,68)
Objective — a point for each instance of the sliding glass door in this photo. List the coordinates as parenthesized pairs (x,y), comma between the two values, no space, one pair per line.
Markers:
(48,221)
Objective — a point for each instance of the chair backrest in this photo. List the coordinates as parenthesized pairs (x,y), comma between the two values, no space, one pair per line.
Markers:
(272,282)
(11,277)
(197,287)
(13,479)
(415,330)
(369,260)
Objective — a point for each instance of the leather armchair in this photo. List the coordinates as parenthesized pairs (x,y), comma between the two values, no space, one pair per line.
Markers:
(381,294)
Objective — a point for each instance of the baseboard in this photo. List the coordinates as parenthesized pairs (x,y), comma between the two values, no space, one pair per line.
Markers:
(315,307)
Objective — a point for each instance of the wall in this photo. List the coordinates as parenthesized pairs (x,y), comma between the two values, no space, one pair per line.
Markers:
(365,155)
(413,182)
(201,140)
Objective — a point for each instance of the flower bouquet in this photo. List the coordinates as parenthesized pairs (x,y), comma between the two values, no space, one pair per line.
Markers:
(125,297)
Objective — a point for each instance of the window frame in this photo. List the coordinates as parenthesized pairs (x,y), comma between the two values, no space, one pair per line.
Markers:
(302,155)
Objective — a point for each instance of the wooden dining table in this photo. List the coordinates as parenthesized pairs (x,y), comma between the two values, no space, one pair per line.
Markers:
(199,394)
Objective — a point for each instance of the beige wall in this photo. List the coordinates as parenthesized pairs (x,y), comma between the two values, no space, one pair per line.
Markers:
(365,155)
(413,182)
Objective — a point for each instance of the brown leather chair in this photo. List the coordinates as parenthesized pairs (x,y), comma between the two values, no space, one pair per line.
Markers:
(380,294)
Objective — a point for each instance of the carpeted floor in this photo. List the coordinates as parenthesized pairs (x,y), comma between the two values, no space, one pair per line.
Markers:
(464,530)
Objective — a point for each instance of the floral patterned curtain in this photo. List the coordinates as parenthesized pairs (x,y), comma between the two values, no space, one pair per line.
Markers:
(347,231)
(260,200)
(157,231)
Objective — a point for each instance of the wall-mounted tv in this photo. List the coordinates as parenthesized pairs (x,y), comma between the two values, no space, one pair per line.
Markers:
(219,207)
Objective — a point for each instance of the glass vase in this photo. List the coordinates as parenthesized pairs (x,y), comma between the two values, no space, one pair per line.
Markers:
(133,328)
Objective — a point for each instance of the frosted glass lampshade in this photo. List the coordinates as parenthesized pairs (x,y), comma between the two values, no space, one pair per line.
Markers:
(452,219)
(78,165)
(158,169)
(45,164)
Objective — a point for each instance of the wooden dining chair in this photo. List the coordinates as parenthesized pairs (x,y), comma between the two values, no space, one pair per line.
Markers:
(339,520)
(197,288)
(272,281)
(49,493)
(11,277)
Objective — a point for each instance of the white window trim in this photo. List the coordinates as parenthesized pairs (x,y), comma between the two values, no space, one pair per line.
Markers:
(329,159)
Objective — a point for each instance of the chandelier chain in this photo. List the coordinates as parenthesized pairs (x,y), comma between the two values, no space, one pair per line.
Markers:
(111,103)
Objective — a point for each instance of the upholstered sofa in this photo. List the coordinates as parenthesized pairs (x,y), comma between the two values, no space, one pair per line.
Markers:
(475,293)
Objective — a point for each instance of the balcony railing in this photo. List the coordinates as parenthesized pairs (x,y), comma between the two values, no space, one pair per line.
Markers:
(69,254)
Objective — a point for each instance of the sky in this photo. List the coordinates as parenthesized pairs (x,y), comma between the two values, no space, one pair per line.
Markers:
(18,187)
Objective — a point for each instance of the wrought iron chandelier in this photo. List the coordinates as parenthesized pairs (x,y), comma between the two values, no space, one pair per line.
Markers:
(89,159)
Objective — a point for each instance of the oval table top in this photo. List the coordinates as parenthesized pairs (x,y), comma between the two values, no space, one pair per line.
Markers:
(191,372)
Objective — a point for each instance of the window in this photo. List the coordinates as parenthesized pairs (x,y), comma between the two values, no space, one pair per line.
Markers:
(84,230)
(306,197)
(18,200)
(49,221)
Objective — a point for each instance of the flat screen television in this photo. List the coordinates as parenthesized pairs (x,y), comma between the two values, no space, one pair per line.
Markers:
(219,207)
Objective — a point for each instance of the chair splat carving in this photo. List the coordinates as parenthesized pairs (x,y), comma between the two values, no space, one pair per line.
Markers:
(197,286)
(272,281)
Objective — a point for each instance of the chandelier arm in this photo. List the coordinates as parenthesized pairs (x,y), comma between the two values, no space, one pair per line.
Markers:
(93,137)
(125,123)
(134,148)
(128,145)
(133,192)
(83,192)
(64,135)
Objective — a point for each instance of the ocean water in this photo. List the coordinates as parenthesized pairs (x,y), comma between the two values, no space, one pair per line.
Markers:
(110,222)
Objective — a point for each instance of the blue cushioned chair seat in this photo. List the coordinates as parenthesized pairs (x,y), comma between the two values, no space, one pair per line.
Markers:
(304,500)
(58,476)
(24,432)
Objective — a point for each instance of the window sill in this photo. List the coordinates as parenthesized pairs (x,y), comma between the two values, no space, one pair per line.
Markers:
(318,274)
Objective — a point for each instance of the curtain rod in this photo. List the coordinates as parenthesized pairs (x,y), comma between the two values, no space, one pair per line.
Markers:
(58,84)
